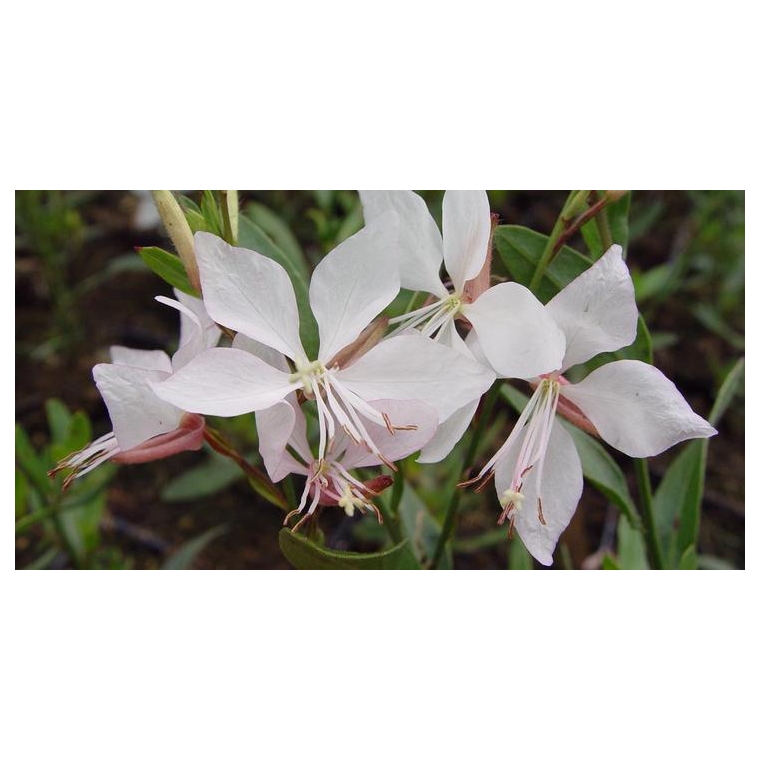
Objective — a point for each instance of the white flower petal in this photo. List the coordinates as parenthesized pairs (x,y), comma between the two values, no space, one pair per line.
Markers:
(135,357)
(249,293)
(448,434)
(210,329)
(466,230)
(410,367)
(265,353)
(597,310)
(561,488)
(354,283)
(276,427)
(636,408)
(192,336)
(420,244)
(225,382)
(136,412)
(515,332)
(400,443)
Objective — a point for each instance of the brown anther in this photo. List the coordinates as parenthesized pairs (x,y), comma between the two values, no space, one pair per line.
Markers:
(349,434)
(541,512)
(387,421)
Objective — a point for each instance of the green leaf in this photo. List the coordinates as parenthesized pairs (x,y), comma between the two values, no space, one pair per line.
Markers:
(211,215)
(280,234)
(609,563)
(168,267)
(521,248)
(250,235)
(30,462)
(420,528)
(519,556)
(688,559)
(22,493)
(44,559)
(80,431)
(632,550)
(678,499)
(727,391)
(185,556)
(196,221)
(206,479)
(59,419)
(306,555)
(601,470)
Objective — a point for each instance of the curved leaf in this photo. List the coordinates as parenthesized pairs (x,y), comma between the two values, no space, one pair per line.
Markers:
(304,554)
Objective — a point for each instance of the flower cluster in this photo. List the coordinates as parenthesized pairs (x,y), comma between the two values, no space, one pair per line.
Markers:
(372,398)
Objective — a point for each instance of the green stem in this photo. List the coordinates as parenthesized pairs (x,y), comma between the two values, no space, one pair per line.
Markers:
(650,532)
(389,521)
(227,224)
(574,201)
(603,225)
(453,506)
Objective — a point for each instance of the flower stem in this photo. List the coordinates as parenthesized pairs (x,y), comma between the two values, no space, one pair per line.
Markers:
(603,225)
(574,201)
(650,532)
(453,506)
(258,481)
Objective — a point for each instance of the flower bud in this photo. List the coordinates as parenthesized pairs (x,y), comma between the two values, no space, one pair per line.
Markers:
(179,231)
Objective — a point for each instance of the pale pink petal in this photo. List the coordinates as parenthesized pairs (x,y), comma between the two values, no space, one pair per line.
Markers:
(192,338)
(249,293)
(410,367)
(354,283)
(515,332)
(136,412)
(209,328)
(135,357)
(420,244)
(225,382)
(466,230)
(448,434)
(561,488)
(276,427)
(597,310)
(636,408)
(187,437)
(400,443)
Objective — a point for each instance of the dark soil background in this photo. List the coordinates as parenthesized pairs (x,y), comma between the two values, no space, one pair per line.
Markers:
(63,329)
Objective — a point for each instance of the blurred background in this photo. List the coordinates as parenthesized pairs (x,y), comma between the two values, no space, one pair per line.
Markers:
(80,288)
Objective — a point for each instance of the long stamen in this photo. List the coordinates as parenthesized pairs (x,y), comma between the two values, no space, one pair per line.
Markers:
(487,469)
(412,315)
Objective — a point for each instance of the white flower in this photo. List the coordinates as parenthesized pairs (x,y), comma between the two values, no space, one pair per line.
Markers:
(631,405)
(253,295)
(328,480)
(516,335)
(145,427)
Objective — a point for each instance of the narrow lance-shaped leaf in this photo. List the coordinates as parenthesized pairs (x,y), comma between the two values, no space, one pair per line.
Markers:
(678,499)
(168,267)
(185,556)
